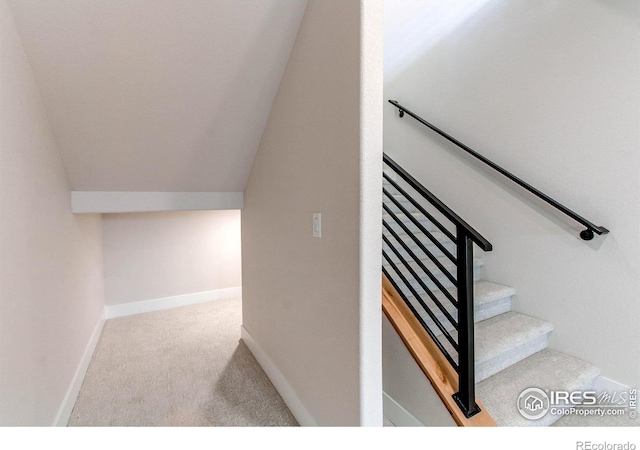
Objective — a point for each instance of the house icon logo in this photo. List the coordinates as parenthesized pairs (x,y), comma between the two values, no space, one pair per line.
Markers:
(533,403)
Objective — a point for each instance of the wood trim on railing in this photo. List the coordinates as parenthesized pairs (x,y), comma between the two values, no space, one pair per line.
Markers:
(442,376)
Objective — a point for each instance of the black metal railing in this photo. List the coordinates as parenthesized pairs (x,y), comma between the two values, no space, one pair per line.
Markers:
(431,264)
(586,235)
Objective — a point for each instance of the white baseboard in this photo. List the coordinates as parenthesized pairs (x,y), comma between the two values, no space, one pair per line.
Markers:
(158,304)
(279,382)
(64,413)
(397,415)
(604,384)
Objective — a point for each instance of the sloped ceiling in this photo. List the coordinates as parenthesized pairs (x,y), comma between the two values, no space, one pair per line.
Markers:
(158,95)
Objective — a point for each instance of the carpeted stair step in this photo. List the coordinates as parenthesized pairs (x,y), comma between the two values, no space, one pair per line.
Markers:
(503,340)
(490,300)
(547,370)
(441,277)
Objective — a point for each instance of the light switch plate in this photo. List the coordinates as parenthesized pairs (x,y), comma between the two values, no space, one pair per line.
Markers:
(317,225)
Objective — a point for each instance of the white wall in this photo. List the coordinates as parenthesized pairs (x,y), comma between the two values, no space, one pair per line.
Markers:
(548,90)
(149,256)
(313,304)
(51,295)
(408,386)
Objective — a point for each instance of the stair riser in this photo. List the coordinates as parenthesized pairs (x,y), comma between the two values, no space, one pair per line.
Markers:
(481,311)
(517,353)
(499,362)
(492,309)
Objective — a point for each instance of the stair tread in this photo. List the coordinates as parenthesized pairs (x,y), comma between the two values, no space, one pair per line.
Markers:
(501,333)
(485,292)
(490,299)
(546,369)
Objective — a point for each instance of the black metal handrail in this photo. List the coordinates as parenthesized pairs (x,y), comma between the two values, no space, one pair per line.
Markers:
(407,270)
(586,235)
(435,201)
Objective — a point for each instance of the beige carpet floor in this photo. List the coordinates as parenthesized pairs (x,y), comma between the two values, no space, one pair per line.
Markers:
(180,367)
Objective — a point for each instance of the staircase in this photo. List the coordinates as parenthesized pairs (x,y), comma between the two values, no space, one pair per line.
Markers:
(511,352)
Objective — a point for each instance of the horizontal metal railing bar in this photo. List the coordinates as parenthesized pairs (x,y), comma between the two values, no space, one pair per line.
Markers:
(446,292)
(428,310)
(435,201)
(590,226)
(433,259)
(422,284)
(426,251)
(436,341)
(417,223)
(420,208)
(415,276)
